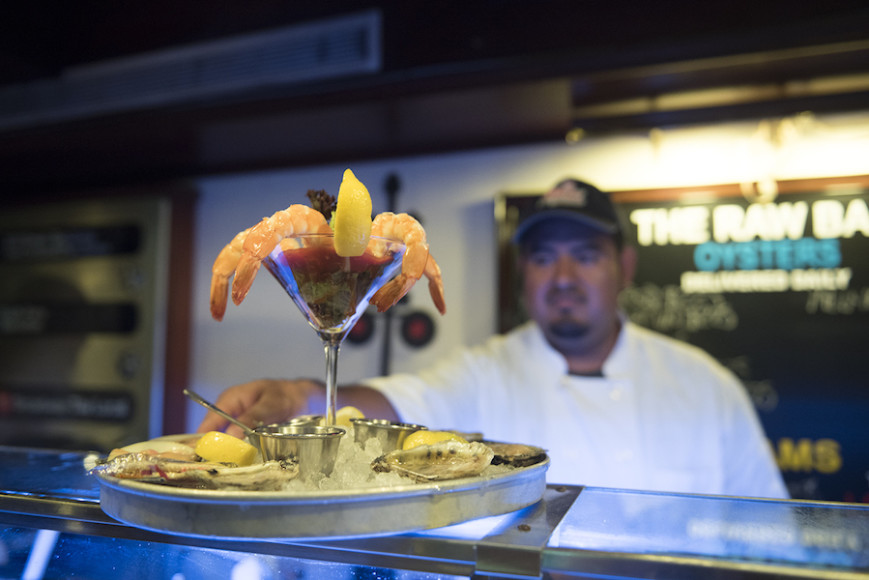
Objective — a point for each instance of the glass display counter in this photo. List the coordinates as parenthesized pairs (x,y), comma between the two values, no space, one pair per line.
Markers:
(53,527)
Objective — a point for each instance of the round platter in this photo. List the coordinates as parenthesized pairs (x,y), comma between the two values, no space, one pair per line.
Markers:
(319,515)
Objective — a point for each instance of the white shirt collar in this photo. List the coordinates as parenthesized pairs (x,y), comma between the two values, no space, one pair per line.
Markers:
(616,364)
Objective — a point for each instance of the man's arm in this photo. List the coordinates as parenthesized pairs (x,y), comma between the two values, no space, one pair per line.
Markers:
(266,401)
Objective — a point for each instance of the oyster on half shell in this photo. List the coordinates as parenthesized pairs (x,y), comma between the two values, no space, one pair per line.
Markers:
(436,462)
(148,468)
(515,454)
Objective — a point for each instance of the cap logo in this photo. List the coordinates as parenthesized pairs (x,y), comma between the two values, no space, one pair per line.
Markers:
(565,194)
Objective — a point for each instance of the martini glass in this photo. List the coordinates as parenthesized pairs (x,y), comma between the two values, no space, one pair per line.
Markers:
(332,291)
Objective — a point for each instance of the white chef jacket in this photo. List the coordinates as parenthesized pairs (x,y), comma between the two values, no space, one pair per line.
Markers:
(664,416)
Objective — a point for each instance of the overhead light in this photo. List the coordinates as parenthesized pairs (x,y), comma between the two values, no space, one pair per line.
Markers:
(574,135)
(749,86)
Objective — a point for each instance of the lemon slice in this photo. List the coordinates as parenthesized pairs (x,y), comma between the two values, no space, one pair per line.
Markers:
(425,437)
(344,414)
(222,448)
(352,219)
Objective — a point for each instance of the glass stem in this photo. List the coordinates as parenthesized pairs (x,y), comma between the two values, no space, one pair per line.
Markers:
(331,345)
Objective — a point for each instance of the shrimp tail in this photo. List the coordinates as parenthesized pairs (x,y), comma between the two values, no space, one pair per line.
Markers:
(395,289)
(219,291)
(245,273)
(435,284)
(222,270)
(436,289)
(412,267)
(391,292)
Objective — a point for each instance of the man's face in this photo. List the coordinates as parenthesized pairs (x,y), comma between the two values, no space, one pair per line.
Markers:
(572,279)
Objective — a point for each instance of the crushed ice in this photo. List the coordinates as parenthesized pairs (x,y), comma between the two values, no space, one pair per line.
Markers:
(353,469)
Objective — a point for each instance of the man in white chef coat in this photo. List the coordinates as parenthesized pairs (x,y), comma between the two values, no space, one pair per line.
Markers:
(615,405)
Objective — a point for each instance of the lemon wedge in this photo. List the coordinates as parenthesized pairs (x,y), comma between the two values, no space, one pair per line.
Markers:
(425,437)
(352,219)
(222,448)
(344,414)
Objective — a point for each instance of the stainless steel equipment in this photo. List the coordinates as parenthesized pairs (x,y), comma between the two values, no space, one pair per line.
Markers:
(83,292)
(319,514)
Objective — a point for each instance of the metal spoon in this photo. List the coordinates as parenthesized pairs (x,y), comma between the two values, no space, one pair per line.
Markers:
(211,407)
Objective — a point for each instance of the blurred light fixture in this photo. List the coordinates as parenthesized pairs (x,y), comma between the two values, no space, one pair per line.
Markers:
(574,135)
(780,83)
(764,190)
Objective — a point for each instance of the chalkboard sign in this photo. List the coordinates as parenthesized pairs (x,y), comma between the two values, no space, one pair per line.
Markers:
(777,290)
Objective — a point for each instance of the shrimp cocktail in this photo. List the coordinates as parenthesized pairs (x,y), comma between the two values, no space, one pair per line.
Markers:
(333,260)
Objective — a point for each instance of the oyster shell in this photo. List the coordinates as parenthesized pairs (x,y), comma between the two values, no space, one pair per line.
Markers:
(436,462)
(163,448)
(148,468)
(515,454)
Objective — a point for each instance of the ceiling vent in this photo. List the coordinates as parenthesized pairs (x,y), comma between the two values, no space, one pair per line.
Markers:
(269,59)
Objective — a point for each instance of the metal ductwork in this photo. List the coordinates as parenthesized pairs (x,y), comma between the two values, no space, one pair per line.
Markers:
(210,71)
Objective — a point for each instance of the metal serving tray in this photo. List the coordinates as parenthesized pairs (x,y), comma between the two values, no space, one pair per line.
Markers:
(319,515)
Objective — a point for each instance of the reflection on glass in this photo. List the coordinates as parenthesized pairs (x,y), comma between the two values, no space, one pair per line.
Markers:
(51,473)
(29,553)
(756,530)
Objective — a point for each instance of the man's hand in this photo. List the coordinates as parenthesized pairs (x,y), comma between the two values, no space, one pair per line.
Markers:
(267,401)
(262,402)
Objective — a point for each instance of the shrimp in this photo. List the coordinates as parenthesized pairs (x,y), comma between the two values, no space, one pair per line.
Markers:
(263,237)
(416,261)
(435,284)
(222,270)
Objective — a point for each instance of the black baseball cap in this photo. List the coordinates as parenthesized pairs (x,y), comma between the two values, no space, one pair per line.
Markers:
(577,201)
